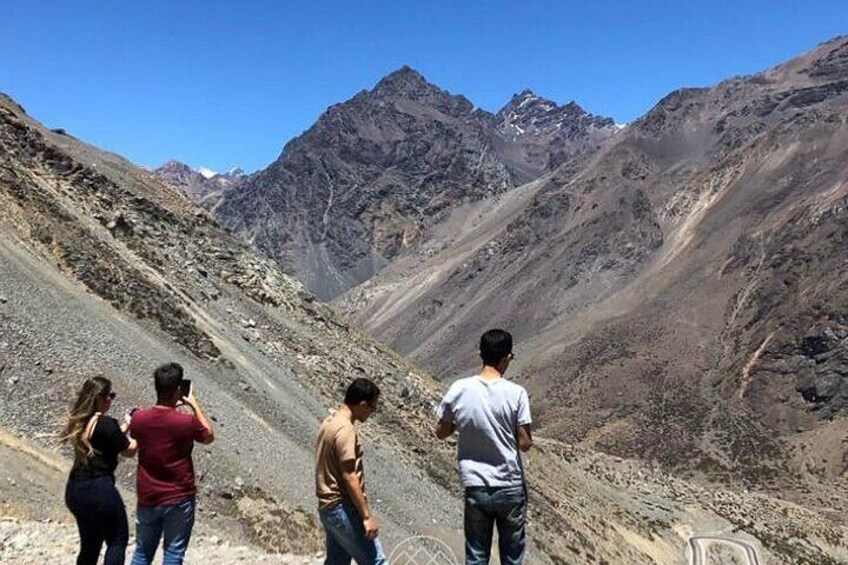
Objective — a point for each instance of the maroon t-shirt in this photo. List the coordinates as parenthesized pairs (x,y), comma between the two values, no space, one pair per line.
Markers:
(165,439)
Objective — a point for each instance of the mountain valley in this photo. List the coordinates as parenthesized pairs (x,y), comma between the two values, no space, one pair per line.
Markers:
(679,295)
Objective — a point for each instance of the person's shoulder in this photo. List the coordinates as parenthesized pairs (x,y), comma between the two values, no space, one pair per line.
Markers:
(107,424)
(463,383)
(141,418)
(108,420)
(142,413)
(333,424)
(514,388)
(327,423)
(182,417)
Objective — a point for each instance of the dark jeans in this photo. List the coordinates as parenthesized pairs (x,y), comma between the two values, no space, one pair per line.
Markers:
(101,517)
(173,522)
(486,507)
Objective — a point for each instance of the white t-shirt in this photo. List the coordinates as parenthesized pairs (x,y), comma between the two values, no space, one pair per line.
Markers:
(487,414)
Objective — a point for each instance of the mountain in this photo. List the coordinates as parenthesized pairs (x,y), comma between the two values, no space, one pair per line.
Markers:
(203,187)
(368,180)
(543,135)
(680,295)
(107,270)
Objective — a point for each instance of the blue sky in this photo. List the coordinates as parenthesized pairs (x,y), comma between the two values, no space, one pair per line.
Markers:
(220,84)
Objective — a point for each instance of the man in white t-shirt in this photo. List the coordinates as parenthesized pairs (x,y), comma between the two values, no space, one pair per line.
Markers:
(492,416)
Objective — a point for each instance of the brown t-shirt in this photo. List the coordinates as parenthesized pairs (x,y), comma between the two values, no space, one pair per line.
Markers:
(337,442)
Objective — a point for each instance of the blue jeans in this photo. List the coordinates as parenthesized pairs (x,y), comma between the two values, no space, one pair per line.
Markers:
(486,507)
(101,517)
(173,521)
(345,537)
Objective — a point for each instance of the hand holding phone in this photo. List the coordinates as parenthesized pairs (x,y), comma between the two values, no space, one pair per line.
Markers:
(185,388)
(128,415)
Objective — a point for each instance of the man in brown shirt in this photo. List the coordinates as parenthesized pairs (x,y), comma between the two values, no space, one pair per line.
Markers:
(351,530)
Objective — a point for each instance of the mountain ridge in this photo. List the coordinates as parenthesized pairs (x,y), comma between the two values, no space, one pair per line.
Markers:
(365,182)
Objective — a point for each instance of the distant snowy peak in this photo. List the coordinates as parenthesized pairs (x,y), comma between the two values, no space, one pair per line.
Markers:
(529,114)
(198,183)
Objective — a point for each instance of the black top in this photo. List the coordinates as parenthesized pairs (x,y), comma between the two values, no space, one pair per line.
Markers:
(108,442)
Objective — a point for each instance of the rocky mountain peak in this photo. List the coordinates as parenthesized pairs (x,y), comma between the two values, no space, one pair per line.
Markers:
(545,134)
(198,184)
(529,114)
(405,82)
(176,173)
(174,166)
(361,186)
(526,99)
(574,108)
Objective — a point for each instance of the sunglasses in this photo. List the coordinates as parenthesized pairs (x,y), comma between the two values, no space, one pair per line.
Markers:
(111,395)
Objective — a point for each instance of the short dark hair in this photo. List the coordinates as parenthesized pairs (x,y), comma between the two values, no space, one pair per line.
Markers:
(361,390)
(167,378)
(494,346)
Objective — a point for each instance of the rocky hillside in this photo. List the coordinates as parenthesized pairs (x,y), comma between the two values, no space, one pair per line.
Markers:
(106,270)
(368,180)
(680,295)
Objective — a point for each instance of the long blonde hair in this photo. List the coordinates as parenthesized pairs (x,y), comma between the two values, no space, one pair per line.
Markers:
(80,414)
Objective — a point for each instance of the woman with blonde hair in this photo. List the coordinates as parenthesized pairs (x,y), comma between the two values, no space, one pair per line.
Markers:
(90,494)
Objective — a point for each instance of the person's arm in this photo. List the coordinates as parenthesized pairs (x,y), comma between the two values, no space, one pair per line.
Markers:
(444,429)
(357,497)
(208,435)
(131,450)
(444,412)
(132,447)
(523,421)
(525,437)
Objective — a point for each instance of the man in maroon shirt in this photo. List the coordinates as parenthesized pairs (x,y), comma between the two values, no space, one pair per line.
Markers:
(165,479)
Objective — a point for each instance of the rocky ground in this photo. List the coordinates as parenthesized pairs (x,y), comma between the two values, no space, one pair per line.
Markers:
(38,543)
(585,507)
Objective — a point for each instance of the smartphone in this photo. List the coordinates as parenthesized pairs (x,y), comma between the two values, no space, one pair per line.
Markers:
(185,388)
